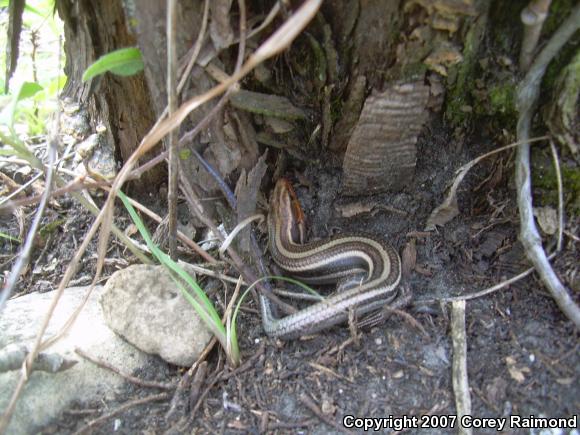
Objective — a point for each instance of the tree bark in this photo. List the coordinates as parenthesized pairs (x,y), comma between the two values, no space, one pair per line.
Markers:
(122,104)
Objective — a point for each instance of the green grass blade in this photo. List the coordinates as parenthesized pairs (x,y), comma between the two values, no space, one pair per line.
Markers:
(206,309)
(9,237)
(20,150)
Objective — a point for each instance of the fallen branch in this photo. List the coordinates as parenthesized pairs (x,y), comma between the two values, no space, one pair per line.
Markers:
(527,98)
(129,378)
(460,381)
(533,17)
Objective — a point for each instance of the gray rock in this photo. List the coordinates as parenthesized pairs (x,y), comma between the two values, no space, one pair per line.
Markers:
(47,395)
(144,305)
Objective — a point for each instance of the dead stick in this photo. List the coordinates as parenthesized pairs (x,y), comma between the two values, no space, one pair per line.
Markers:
(460,381)
(132,379)
(527,98)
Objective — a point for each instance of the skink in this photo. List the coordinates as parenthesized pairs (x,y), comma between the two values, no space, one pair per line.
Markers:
(367,269)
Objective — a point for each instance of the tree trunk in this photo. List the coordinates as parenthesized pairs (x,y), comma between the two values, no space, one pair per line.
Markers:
(121,104)
(371,73)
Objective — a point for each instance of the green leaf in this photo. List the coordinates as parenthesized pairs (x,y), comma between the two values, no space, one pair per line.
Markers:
(24,91)
(184,154)
(27,90)
(27,7)
(123,62)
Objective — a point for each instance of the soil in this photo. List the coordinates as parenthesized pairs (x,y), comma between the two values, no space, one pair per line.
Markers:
(522,353)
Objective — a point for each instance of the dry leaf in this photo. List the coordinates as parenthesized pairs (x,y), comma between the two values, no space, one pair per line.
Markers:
(353,209)
(247,189)
(448,209)
(547,219)
(565,381)
(444,213)
(131,230)
(409,257)
(517,373)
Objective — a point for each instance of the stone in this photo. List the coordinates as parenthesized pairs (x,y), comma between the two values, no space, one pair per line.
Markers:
(145,306)
(47,395)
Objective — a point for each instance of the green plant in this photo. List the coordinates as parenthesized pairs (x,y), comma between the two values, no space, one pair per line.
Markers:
(226,335)
(123,62)
(19,149)
(24,91)
(36,80)
(200,302)
(9,237)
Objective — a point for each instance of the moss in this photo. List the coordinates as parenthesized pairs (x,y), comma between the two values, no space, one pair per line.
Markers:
(51,227)
(501,98)
(545,182)
(559,11)
(463,73)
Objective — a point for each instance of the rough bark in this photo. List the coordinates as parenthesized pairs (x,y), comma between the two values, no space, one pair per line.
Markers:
(121,104)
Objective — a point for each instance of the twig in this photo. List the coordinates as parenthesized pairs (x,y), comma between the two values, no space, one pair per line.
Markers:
(533,17)
(560,195)
(460,381)
(186,379)
(202,396)
(489,289)
(249,276)
(572,236)
(20,188)
(269,18)
(197,383)
(127,377)
(73,186)
(527,97)
(227,192)
(222,376)
(410,319)
(189,136)
(172,136)
(239,227)
(204,271)
(438,215)
(86,429)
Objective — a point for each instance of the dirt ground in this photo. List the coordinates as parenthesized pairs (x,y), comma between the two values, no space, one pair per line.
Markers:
(523,355)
